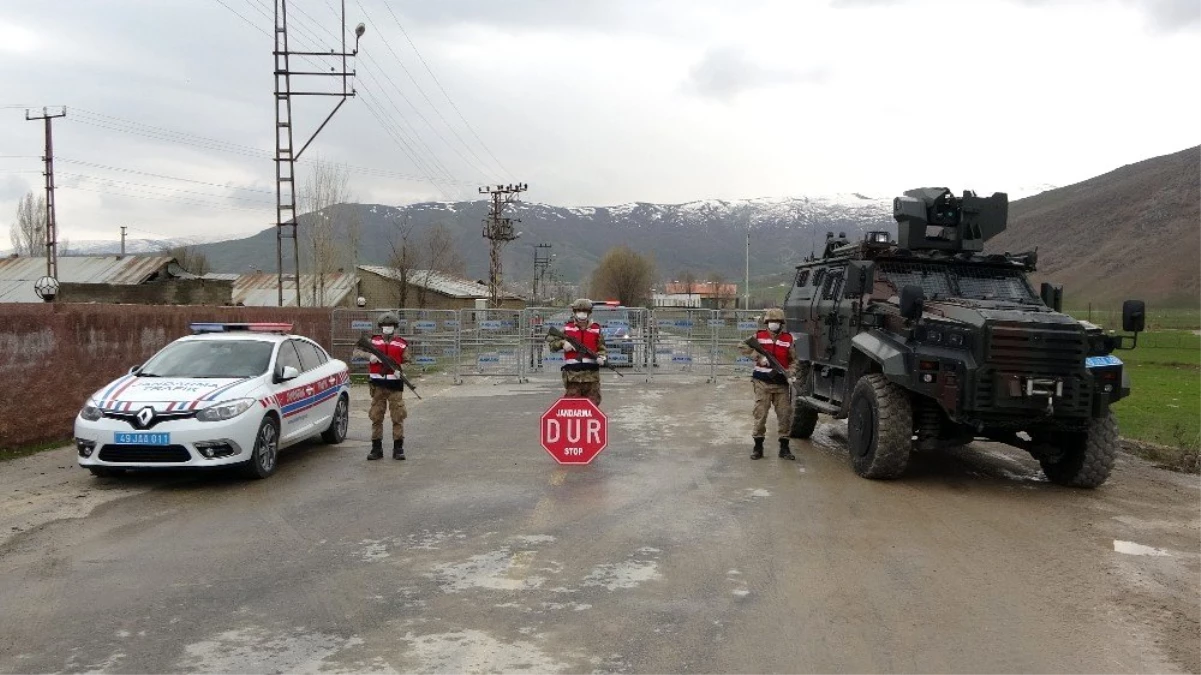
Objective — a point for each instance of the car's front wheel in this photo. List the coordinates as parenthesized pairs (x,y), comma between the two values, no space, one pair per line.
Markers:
(266,450)
(879,428)
(336,433)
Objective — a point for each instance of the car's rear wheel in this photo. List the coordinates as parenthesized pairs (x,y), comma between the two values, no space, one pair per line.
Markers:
(266,450)
(336,433)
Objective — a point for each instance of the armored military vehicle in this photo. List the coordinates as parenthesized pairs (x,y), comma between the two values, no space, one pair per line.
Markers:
(926,341)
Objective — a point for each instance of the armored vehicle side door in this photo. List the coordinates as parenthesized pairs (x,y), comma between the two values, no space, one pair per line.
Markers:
(830,314)
(797,309)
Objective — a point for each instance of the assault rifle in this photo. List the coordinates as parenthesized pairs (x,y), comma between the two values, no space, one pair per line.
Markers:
(775,364)
(556,333)
(364,344)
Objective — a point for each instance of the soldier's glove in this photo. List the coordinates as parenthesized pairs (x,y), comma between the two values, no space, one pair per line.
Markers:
(600,360)
(763,361)
(373,358)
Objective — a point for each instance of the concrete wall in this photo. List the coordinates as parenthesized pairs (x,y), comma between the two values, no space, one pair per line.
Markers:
(383,292)
(173,292)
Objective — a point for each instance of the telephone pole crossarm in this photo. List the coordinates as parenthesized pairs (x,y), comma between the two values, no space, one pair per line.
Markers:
(498,230)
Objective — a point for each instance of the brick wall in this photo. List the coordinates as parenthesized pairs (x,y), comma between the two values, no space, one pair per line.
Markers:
(53,356)
(174,292)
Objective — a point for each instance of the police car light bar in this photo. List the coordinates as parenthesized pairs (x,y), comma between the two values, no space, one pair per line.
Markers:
(281,328)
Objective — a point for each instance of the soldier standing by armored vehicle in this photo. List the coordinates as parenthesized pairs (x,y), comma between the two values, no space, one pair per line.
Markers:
(927,342)
(581,371)
(772,388)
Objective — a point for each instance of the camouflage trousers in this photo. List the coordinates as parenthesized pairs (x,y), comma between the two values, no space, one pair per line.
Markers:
(387,399)
(582,384)
(768,396)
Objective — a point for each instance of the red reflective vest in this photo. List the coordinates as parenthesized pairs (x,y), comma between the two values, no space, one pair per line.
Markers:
(779,346)
(589,337)
(394,348)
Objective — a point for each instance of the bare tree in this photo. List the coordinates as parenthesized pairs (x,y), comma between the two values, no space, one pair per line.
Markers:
(191,259)
(28,233)
(354,238)
(439,252)
(326,187)
(625,275)
(721,291)
(403,258)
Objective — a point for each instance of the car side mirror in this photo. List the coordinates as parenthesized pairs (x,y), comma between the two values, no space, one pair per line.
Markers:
(1052,296)
(1134,316)
(287,373)
(133,370)
(913,302)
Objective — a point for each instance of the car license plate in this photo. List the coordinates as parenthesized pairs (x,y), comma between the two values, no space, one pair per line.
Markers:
(1101,361)
(141,439)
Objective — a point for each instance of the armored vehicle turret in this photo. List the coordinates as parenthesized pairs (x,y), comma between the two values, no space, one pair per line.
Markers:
(925,341)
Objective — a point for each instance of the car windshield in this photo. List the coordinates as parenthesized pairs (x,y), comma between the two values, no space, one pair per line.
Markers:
(972,282)
(210,358)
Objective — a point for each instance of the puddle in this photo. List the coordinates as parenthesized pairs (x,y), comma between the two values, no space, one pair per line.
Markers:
(473,651)
(252,650)
(1131,548)
(498,570)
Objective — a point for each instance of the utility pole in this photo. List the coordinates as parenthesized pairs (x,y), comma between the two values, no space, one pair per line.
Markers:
(541,263)
(499,231)
(746,291)
(285,159)
(51,223)
(123,241)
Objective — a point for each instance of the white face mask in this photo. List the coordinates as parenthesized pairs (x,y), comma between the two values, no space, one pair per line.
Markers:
(773,326)
(388,330)
(581,316)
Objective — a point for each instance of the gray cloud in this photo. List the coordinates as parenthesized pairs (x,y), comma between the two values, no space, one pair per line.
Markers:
(725,72)
(1162,15)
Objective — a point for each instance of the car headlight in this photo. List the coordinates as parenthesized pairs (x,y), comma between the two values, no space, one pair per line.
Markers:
(90,412)
(225,410)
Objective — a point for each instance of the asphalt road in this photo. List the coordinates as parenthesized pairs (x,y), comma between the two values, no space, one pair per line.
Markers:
(672,552)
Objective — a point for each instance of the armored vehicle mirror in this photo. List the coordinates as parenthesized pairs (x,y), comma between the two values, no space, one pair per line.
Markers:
(860,277)
(913,301)
(1052,296)
(1134,316)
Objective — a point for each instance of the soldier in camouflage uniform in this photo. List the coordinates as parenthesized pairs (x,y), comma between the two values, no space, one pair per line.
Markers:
(581,374)
(771,388)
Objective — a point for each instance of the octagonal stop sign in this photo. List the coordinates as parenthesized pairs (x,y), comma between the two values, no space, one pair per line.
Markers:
(574,430)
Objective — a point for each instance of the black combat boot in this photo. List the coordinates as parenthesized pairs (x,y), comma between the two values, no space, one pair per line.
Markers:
(785,453)
(757,453)
(398,449)
(377,449)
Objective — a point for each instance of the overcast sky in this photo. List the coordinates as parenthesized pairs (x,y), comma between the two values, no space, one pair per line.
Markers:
(590,102)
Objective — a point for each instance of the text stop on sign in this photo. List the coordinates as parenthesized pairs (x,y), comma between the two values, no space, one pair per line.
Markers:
(574,431)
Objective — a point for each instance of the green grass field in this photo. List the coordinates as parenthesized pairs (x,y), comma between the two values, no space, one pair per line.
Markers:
(1164,406)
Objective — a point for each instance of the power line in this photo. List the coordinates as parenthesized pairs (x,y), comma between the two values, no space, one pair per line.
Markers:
(159,175)
(105,180)
(481,166)
(431,159)
(441,88)
(399,140)
(180,200)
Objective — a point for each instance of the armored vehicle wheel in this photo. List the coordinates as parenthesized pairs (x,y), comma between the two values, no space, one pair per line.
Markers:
(804,421)
(804,418)
(879,428)
(1086,457)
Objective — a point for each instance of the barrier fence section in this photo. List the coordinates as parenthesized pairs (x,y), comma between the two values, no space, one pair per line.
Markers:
(681,342)
(490,343)
(731,327)
(432,336)
(690,342)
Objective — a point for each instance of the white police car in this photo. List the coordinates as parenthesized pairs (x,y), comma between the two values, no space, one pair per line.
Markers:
(228,394)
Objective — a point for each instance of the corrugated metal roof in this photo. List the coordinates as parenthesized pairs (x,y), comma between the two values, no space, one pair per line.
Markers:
(222,276)
(450,285)
(17,275)
(262,289)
